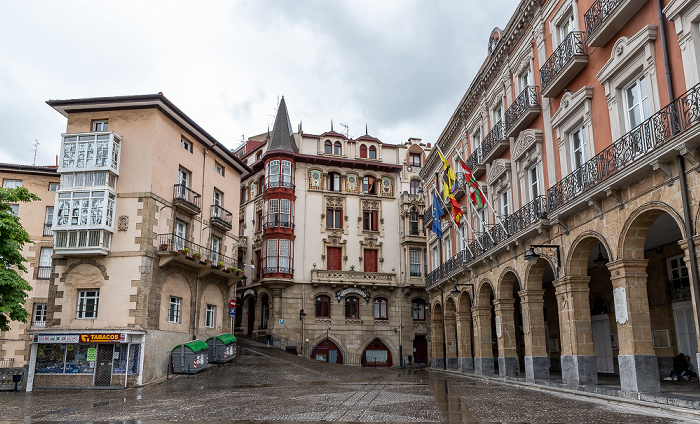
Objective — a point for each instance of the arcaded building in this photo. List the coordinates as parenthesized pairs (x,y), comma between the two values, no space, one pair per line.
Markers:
(144,229)
(333,241)
(581,127)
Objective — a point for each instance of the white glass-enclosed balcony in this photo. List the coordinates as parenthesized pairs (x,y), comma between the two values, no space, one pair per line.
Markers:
(84,221)
(90,151)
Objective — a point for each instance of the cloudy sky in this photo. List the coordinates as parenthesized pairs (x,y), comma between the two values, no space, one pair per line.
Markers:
(398,66)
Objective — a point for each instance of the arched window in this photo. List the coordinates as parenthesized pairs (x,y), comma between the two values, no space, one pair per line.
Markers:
(363,151)
(372,152)
(418,307)
(327,147)
(337,148)
(415,187)
(413,224)
(352,307)
(333,181)
(323,306)
(380,308)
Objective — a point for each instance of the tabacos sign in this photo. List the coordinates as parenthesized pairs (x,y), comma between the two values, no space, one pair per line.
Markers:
(101,338)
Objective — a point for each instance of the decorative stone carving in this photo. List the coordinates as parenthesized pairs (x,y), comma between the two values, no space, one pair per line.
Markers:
(123,223)
(370,205)
(352,290)
(334,202)
(526,141)
(387,186)
(258,205)
(498,168)
(352,184)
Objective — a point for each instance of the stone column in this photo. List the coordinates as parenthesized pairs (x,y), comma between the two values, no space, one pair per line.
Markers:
(508,364)
(483,353)
(639,368)
(451,340)
(536,359)
(464,341)
(578,361)
(437,336)
(693,299)
(276,310)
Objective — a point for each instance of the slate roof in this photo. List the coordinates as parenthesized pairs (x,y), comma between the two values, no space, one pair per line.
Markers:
(282,135)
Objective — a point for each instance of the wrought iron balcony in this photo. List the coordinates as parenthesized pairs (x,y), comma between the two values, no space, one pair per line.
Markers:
(460,189)
(47,230)
(221,218)
(633,147)
(522,111)
(187,199)
(476,163)
(495,142)
(43,272)
(564,64)
(285,271)
(606,17)
(495,236)
(276,223)
(279,184)
(184,251)
(428,217)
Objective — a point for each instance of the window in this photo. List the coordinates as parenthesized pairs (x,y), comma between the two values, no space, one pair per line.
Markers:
(279,171)
(436,257)
(567,27)
(534,183)
(328,147)
(273,210)
(285,255)
(369,221)
(87,151)
(333,181)
(48,221)
(215,248)
(88,179)
(273,173)
(12,183)
(39,315)
(100,125)
(210,317)
(15,209)
(174,309)
(482,222)
(418,307)
(180,231)
(86,208)
(413,224)
(279,256)
(186,145)
(258,155)
(676,268)
(258,221)
(183,178)
(44,270)
(244,195)
(380,308)
(414,159)
(334,218)
(415,187)
(217,200)
(363,151)
(448,247)
(323,306)
(352,308)
(497,113)
(372,152)
(87,304)
(333,258)
(476,140)
(337,148)
(285,213)
(286,173)
(578,148)
(525,79)
(636,103)
(415,262)
(54,186)
(218,168)
(260,186)
(504,203)
(370,260)
(368,185)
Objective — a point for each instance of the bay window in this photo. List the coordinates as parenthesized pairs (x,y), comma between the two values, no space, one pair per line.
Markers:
(90,151)
(278,257)
(415,262)
(279,174)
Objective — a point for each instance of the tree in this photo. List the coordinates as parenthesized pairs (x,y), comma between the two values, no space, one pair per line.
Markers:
(13,288)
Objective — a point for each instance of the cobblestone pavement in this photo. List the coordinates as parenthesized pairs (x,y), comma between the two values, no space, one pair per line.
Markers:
(270,385)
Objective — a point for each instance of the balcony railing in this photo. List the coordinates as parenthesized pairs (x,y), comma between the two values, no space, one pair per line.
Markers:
(475,162)
(170,242)
(277,224)
(278,270)
(493,143)
(278,184)
(558,62)
(351,277)
(605,18)
(598,13)
(494,236)
(187,197)
(665,124)
(38,323)
(428,217)
(679,289)
(43,272)
(526,104)
(47,230)
(221,217)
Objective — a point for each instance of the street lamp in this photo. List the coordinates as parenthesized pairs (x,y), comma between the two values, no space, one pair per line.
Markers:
(548,250)
(455,291)
(302,314)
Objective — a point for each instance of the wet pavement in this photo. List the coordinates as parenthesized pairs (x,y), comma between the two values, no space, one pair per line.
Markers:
(269,385)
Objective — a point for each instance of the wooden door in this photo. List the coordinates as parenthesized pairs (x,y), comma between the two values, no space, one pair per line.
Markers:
(370,260)
(602,345)
(334,258)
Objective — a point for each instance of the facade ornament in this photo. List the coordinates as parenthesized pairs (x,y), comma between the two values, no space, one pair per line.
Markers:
(334,202)
(123,223)
(352,290)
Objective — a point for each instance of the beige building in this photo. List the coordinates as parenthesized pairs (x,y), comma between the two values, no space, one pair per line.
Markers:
(143,242)
(36,218)
(332,227)
(582,129)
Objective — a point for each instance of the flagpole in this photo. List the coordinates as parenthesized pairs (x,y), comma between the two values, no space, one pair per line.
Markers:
(487,200)
(442,203)
(482,224)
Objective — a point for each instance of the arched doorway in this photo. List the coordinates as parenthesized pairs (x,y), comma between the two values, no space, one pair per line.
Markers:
(465,341)
(508,328)
(541,327)
(327,351)
(250,308)
(376,354)
(485,341)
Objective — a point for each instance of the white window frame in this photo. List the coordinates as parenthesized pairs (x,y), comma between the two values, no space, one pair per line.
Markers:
(503,199)
(582,150)
(39,314)
(210,316)
(533,185)
(84,296)
(218,169)
(676,263)
(175,309)
(180,230)
(100,126)
(15,209)
(185,144)
(12,183)
(183,177)
(414,258)
(215,248)
(448,247)
(638,85)
(54,186)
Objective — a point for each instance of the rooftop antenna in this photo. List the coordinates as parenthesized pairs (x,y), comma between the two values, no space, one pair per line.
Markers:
(347,129)
(366,132)
(331,125)
(36,149)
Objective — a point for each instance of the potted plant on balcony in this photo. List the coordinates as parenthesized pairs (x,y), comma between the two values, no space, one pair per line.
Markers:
(238,271)
(197,256)
(208,261)
(230,269)
(220,264)
(352,267)
(163,247)
(186,251)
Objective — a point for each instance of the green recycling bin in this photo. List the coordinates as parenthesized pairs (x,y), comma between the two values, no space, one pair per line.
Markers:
(222,348)
(192,356)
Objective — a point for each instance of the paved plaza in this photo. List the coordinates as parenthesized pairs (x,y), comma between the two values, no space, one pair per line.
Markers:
(267,384)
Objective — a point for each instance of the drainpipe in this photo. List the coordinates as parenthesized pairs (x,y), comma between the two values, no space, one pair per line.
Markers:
(444,333)
(664,49)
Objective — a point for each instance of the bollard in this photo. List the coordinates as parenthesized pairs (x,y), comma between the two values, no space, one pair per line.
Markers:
(188,371)
(167,373)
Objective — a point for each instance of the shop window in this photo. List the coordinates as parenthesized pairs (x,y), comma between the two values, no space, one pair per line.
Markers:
(88,301)
(380,308)
(352,307)
(323,306)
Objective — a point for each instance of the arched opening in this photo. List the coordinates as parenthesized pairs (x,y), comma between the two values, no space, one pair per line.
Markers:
(541,329)
(485,340)
(451,333)
(264,311)
(438,337)
(509,326)
(376,354)
(363,151)
(337,148)
(327,351)
(372,152)
(465,341)
(327,147)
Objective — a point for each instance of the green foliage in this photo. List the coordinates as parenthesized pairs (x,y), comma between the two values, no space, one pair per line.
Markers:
(13,288)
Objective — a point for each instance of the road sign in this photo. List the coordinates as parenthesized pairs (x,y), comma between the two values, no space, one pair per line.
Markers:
(232,303)
(232,312)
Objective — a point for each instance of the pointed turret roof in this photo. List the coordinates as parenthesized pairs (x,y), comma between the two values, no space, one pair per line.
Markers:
(282,135)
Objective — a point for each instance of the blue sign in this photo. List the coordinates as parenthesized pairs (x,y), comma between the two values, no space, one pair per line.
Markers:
(232,312)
